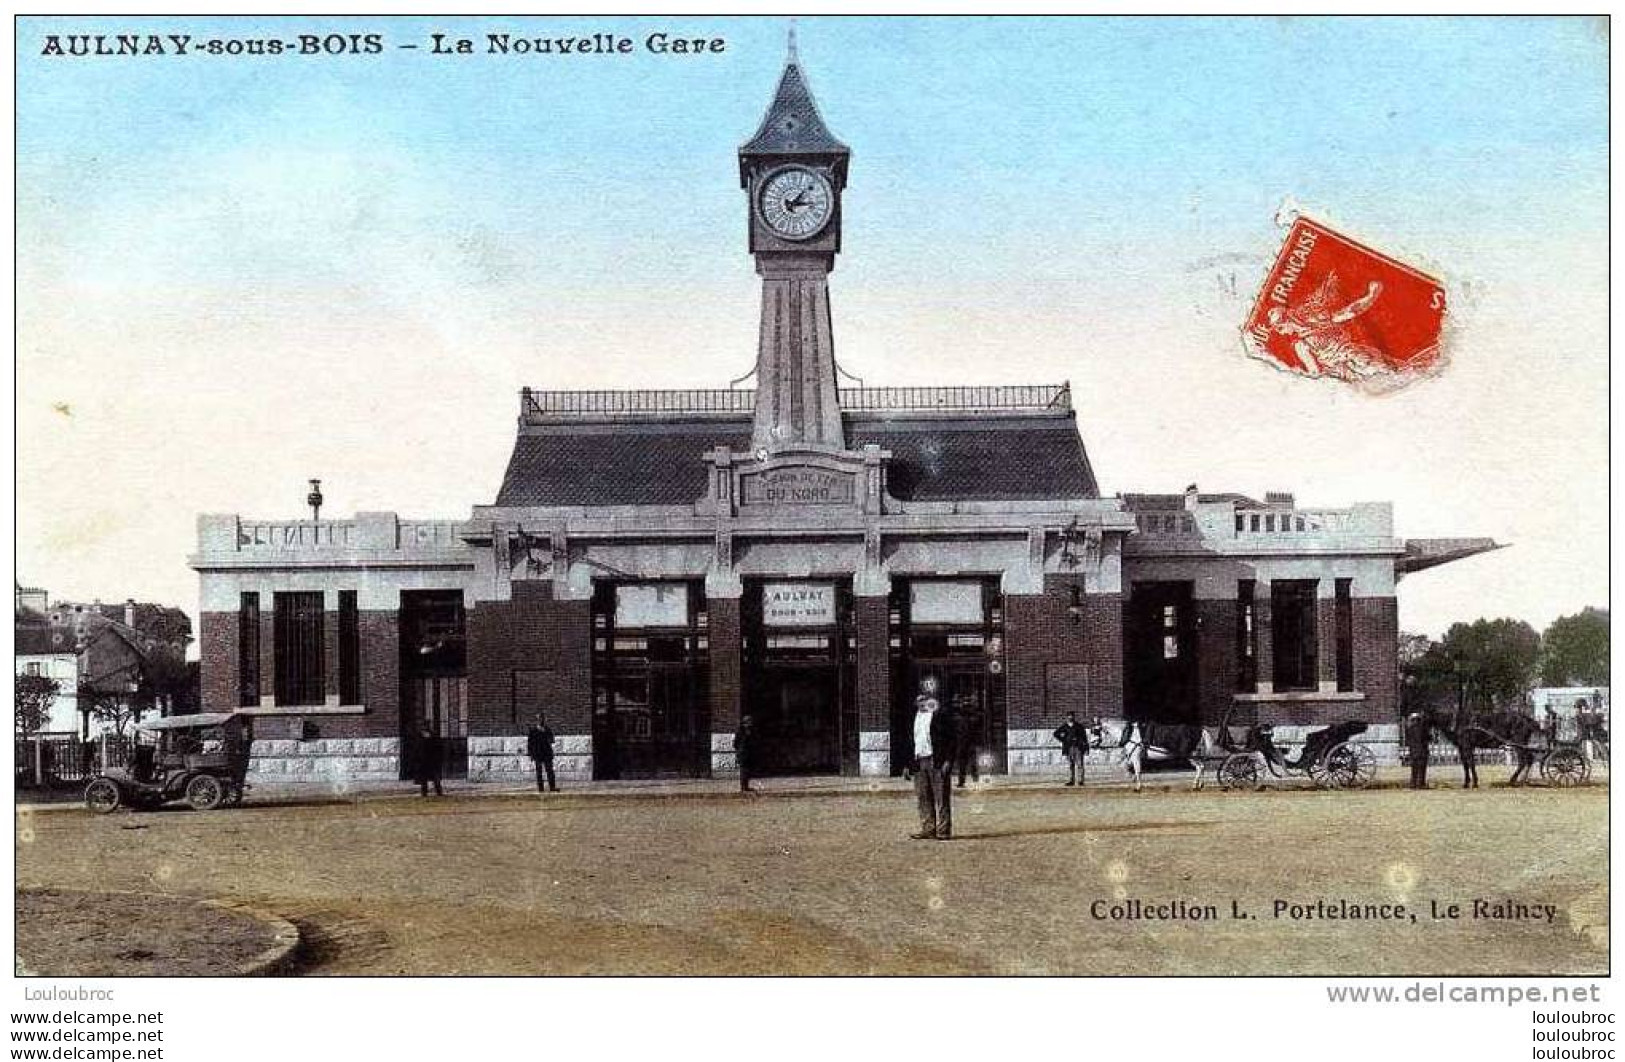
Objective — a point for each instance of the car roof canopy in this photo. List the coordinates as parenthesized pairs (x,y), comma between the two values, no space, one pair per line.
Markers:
(183,722)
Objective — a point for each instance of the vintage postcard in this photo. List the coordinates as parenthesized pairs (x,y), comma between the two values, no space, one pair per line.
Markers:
(692,495)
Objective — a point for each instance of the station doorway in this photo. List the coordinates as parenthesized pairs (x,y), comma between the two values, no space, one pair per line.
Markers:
(434,678)
(951,630)
(798,667)
(650,681)
(1159,632)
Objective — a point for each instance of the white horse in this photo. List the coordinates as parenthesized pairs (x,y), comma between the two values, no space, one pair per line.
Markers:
(1143,743)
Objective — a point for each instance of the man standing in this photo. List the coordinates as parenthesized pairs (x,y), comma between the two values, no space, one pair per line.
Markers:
(1417,737)
(539,744)
(1074,741)
(743,737)
(934,742)
(967,754)
(428,761)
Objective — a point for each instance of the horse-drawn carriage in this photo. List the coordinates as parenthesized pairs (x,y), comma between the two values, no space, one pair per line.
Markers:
(1242,755)
(1561,759)
(1330,757)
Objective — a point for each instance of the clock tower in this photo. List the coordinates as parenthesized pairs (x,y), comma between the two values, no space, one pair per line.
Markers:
(793,171)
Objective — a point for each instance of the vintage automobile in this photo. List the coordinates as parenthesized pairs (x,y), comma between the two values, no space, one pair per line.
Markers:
(201,759)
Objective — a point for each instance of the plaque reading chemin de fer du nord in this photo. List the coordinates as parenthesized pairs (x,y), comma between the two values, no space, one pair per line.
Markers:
(801,485)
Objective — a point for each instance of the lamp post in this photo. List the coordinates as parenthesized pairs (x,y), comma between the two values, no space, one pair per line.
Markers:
(314,500)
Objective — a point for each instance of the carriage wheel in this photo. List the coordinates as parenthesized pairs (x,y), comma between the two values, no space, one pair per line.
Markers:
(102,795)
(1565,767)
(1240,771)
(1320,771)
(205,792)
(1350,765)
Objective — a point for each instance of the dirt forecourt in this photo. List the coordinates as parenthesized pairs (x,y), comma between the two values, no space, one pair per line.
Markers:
(1041,880)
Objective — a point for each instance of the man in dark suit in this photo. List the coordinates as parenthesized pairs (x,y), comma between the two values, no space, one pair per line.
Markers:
(935,740)
(539,744)
(743,739)
(1417,736)
(429,761)
(1074,739)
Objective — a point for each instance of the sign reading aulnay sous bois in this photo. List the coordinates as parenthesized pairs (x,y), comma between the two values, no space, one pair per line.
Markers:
(798,604)
(798,485)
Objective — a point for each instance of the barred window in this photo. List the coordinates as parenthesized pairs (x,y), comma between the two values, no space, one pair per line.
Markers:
(349,648)
(1295,637)
(300,678)
(248,649)
(1246,639)
(1345,636)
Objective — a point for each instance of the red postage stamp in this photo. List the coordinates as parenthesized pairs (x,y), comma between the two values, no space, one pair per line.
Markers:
(1334,307)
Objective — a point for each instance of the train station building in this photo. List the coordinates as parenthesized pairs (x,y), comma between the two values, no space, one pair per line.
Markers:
(657,563)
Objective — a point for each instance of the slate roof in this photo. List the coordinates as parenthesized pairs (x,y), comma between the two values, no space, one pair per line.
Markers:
(42,641)
(792,125)
(986,458)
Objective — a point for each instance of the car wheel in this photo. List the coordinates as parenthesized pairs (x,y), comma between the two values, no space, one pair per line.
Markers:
(205,792)
(102,795)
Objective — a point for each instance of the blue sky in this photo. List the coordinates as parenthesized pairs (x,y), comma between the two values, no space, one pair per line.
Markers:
(391,245)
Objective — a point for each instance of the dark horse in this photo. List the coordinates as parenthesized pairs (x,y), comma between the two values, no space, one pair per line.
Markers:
(1498,729)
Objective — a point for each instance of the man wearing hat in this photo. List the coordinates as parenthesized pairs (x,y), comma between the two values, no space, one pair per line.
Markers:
(934,743)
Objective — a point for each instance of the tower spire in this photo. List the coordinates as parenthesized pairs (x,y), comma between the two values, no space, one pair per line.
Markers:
(790,56)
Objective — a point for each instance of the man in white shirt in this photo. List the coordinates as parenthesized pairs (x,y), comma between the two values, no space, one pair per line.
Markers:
(933,760)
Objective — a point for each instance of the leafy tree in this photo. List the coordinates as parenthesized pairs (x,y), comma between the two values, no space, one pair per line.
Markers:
(1493,660)
(116,708)
(1427,675)
(35,693)
(1574,650)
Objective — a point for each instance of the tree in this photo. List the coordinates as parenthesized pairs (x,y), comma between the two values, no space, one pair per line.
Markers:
(1427,675)
(1493,661)
(1574,650)
(115,704)
(35,693)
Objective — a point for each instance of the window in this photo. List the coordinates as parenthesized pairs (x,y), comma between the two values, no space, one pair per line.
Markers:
(300,678)
(1170,632)
(1294,636)
(1246,639)
(349,648)
(1345,636)
(248,650)
(32,668)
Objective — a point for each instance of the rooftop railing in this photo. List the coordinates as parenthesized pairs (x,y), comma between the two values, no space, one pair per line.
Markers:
(1005,397)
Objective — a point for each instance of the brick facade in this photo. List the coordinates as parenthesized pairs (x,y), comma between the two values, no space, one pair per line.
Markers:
(1217,659)
(379,632)
(724,642)
(871,617)
(218,660)
(530,633)
(1376,656)
(1040,633)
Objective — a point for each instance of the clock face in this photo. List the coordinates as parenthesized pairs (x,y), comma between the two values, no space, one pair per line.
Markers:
(796,203)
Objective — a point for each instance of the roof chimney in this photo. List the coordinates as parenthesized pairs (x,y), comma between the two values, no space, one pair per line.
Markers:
(1191,496)
(129,612)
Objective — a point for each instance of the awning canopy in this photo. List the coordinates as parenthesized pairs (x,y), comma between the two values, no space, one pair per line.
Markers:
(1423,553)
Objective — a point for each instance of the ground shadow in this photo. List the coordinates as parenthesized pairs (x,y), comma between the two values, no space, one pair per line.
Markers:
(1042,831)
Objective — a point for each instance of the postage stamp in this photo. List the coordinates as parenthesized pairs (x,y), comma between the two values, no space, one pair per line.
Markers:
(1333,307)
(630,496)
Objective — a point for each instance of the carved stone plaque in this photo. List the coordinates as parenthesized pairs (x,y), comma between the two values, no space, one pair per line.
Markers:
(798,485)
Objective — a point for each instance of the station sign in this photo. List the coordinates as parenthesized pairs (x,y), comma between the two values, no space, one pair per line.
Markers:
(798,485)
(798,604)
